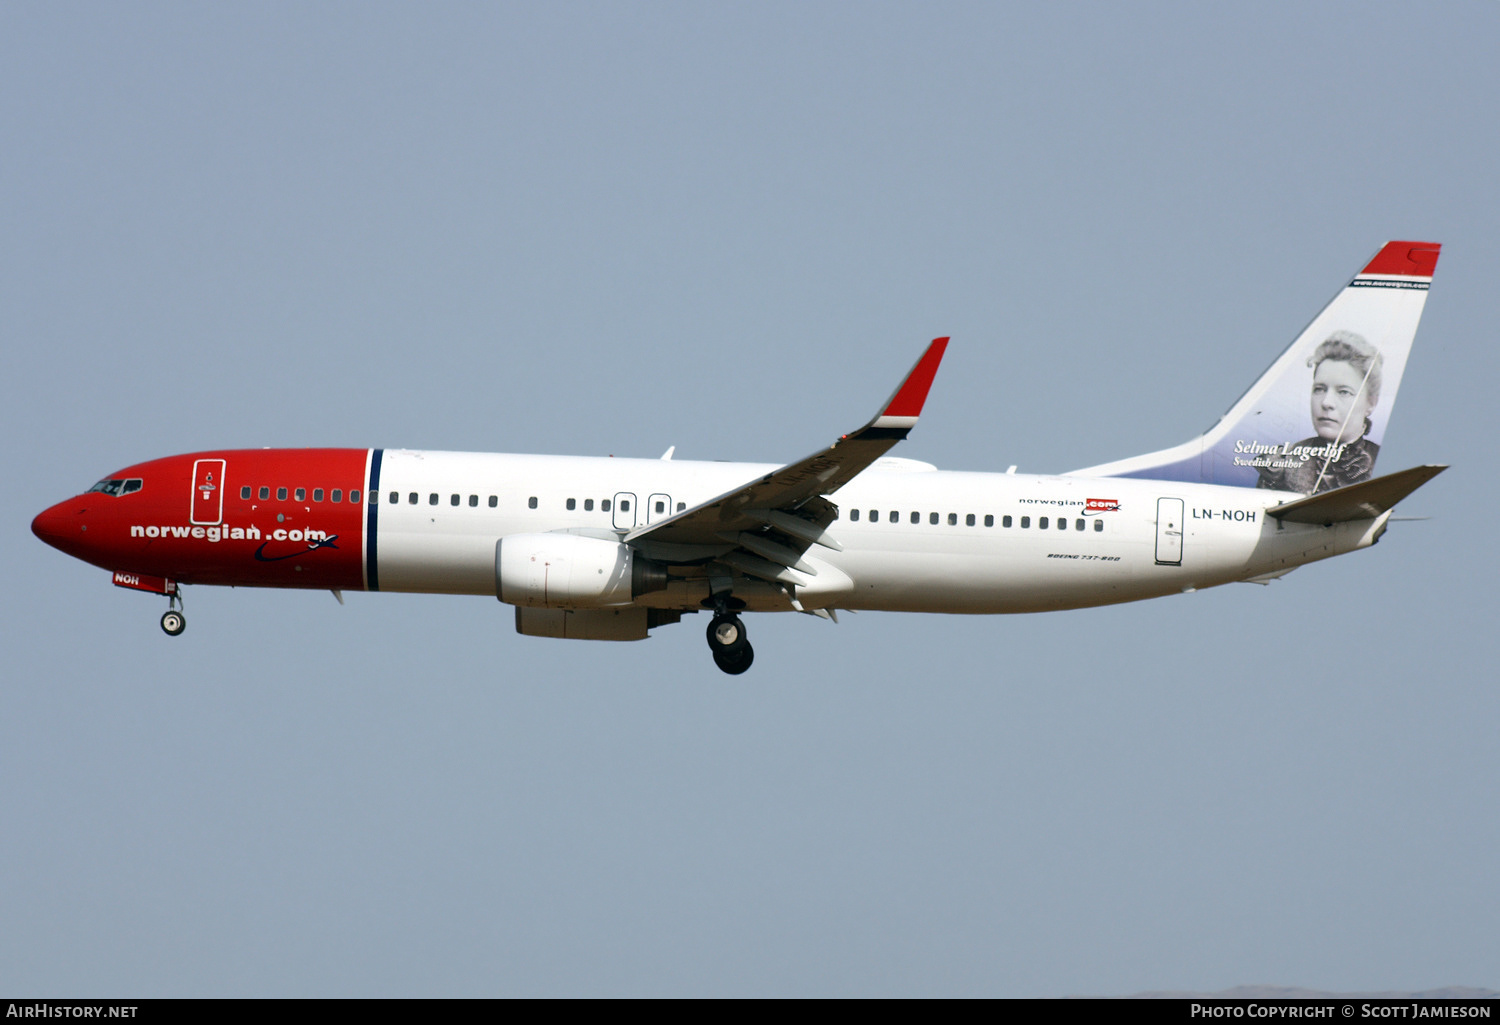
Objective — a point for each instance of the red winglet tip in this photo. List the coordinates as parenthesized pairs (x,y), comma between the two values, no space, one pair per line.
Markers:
(912,394)
(1407,259)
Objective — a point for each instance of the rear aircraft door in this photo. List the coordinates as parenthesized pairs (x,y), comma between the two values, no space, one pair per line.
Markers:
(624,511)
(208,491)
(658,507)
(1169,531)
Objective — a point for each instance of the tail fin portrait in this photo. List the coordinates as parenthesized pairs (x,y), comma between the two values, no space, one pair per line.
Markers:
(1315,420)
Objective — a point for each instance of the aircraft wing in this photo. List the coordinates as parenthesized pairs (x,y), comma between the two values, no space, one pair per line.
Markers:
(763,526)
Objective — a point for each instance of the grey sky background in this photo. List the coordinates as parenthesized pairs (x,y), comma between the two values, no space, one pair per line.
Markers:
(595,229)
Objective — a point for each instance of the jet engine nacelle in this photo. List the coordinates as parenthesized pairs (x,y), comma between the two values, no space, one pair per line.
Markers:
(570,571)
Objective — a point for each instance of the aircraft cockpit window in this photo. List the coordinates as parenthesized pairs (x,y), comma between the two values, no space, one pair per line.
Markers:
(116,488)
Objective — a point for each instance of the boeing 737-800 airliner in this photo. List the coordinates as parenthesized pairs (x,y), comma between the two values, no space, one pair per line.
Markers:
(608,549)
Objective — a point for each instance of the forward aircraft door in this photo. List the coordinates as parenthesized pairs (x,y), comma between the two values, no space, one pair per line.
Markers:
(1169,531)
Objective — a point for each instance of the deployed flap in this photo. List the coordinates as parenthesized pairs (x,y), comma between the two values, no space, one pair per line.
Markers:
(1363,501)
(793,491)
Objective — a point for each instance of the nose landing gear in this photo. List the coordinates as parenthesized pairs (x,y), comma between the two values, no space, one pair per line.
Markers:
(727,640)
(173,622)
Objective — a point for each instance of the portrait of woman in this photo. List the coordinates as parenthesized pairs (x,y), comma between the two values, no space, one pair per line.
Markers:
(1345,389)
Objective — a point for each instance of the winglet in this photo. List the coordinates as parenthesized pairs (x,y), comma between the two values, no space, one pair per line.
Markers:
(906,404)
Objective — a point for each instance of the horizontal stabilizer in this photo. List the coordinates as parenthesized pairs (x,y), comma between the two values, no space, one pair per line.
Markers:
(1363,501)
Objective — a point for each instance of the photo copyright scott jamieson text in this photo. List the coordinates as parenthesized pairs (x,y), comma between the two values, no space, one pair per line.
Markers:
(48,1010)
(1402,1010)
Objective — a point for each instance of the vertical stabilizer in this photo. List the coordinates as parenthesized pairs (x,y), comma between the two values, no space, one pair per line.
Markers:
(1315,420)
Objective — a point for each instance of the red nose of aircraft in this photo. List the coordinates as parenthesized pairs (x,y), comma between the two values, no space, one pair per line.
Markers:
(65,526)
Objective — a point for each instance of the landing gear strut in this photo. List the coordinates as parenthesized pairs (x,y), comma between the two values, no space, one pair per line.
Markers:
(726,639)
(173,622)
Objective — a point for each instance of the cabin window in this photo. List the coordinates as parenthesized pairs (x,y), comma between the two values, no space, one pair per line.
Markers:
(494,501)
(354,497)
(1098,525)
(681,506)
(661,507)
(301,494)
(317,494)
(932,518)
(989,521)
(453,500)
(432,498)
(1041,523)
(1062,523)
(916,517)
(969,520)
(245,492)
(395,498)
(374,498)
(1005,521)
(953,519)
(281,494)
(604,505)
(895,516)
(572,504)
(854,515)
(411,499)
(1078,525)
(874,515)
(531,502)
(473,501)
(588,505)
(1026,522)
(337,495)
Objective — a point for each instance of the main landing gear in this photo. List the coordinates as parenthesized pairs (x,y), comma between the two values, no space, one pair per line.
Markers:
(173,622)
(726,639)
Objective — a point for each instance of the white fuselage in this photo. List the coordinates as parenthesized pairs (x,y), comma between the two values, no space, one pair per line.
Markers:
(1124,539)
